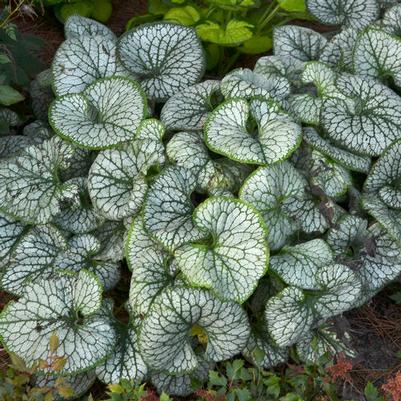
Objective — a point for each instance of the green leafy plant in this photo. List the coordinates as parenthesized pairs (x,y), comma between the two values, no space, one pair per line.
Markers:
(247,213)
(16,74)
(228,28)
(99,10)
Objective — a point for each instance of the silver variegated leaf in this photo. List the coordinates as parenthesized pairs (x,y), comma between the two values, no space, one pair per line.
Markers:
(340,288)
(368,121)
(391,21)
(78,216)
(165,57)
(349,160)
(65,305)
(388,217)
(188,109)
(14,145)
(11,232)
(298,44)
(385,177)
(117,178)
(38,130)
(82,60)
(349,13)
(77,26)
(30,188)
(181,385)
(269,187)
(306,108)
(338,53)
(274,66)
(330,177)
(41,94)
(246,83)
(33,258)
(168,208)
(298,265)
(288,316)
(106,113)
(151,266)
(79,383)
(164,338)
(273,137)
(263,352)
(349,233)
(111,236)
(381,262)
(84,252)
(125,363)
(377,55)
(187,149)
(323,342)
(237,257)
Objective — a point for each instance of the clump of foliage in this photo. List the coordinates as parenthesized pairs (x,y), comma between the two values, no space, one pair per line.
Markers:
(228,28)
(251,211)
(15,73)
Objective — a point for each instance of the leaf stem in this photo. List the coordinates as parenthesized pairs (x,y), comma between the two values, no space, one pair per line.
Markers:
(262,24)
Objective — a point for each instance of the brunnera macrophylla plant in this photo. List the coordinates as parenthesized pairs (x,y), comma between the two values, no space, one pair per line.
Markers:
(251,212)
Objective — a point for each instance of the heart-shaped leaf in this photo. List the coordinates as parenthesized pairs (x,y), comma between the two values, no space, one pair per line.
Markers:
(339,52)
(292,313)
(151,266)
(71,310)
(323,342)
(390,22)
(354,14)
(11,231)
(263,352)
(30,188)
(125,363)
(245,83)
(164,338)
(385,177)
(288,316)
(187,149)
(107,113)
(84,252)
(298,44)
(297,265)
(254,132)
(33,258)
(77,26)
(377,55)
(168,208)
(82,60)
(341,156)
(181,385)
(117,178)
(368,121)
(278,193)
(232,264)
(78,216)
(166,57)
(188,109)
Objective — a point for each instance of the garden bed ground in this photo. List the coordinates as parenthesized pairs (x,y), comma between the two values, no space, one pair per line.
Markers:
(375,328)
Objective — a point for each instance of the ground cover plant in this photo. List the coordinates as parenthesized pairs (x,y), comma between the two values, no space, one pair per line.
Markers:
(250,211)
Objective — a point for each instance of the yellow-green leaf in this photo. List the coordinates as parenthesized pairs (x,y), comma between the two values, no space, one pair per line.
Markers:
(187,15)
(115,388)
(236,32)
(257,44)
(292,5)
(9,95)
